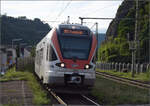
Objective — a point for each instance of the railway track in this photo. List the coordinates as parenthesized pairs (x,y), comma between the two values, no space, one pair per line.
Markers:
(72,99)
(127,81)
(65,99)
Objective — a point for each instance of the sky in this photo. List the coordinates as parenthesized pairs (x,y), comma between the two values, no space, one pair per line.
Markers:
(55,12)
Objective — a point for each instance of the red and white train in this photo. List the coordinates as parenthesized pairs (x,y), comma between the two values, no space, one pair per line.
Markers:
(66,55)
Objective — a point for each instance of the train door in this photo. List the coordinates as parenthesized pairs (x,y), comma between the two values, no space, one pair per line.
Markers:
(40,61)
(37,63)
(47,58)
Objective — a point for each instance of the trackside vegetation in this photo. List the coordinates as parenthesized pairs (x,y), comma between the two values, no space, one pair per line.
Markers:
(22,27)
(109,92)
(116,47)
(145,77)
(39,95)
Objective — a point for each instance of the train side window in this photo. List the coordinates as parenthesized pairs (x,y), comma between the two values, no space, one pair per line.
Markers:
(40,56)
(37,57)
(41,51)
(52,54)
(47,52)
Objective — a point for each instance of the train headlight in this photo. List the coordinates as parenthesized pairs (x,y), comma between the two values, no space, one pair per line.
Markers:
(62,65)
(87,66)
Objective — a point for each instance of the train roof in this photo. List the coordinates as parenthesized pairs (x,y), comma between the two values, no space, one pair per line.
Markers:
(73,26)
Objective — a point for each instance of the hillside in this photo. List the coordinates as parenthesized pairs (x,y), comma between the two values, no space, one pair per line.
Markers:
(30,31)
(121,30)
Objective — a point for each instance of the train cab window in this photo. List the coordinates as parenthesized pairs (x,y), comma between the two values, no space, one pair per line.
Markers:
(52,54)
(94,59)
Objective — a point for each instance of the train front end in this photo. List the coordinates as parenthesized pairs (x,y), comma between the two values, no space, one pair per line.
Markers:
(75,47)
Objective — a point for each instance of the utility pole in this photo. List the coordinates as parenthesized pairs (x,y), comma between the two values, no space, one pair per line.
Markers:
(81,21)
(136,21)
(97,39)
(135,42)
(133,62)
(68,21)
(82,18)
(136,36)
(96,30)
(136,32)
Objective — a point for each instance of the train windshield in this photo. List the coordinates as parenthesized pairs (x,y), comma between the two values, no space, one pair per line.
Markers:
(75,47)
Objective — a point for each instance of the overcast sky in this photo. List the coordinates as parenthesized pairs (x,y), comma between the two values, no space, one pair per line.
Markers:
(59,11)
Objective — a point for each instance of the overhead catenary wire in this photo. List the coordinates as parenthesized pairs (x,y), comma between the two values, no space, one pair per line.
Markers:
(63,10)
(66,6)
(93,25)
(99,9)
(56,6)
(59,14)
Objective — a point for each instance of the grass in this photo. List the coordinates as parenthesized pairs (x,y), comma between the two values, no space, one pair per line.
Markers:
(112,93)
(12,104)
(39,95)
(12,75)
(141,76)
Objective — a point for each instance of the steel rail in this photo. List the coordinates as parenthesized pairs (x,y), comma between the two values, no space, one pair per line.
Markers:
(124,80)
(57,97)
(90,100)
(61,99)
